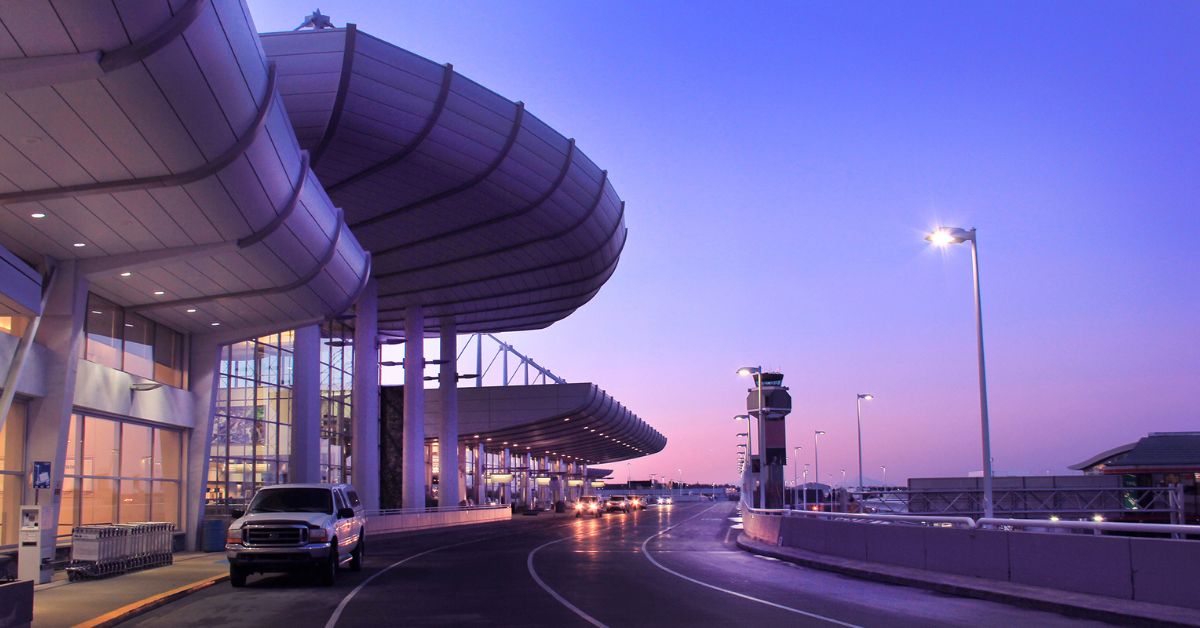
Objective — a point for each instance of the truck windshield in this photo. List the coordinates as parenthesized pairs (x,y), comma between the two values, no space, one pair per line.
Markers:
(293,500)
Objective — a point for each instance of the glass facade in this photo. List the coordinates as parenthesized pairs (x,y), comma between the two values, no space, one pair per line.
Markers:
(337,384)
(251,440)
(12,472)
(120,472)
(13,325)
(251,436)
(132,343)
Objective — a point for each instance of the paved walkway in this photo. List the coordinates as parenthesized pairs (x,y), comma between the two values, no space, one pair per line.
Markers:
(63,603)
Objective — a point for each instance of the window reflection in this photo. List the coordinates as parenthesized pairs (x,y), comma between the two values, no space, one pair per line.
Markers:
(132,343)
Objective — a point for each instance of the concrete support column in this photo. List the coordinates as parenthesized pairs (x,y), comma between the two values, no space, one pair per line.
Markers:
(480,474)
(414,408)
(448,391)
(61,332)
(527,488)
(304,462)
(586,489)
(562,480)
(462,473)
(364,443)
(506,488)
(204,365)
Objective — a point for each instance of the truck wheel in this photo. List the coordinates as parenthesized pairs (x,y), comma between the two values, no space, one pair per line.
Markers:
(329,567)
(356,558)
(237,577)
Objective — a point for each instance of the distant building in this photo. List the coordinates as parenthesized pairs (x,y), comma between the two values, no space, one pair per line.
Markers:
(1159,459)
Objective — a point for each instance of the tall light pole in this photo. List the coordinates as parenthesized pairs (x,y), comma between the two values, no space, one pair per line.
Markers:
(795,471)
(806,486)
(883,467)
(817,461)
(680,482)
(762,441)
(858,404)
(944,236)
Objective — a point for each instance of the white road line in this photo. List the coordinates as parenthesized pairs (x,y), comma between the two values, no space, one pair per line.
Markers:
(646,553)
(337,612)
(545,587)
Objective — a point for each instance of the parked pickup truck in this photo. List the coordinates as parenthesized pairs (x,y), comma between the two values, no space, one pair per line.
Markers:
(297,527)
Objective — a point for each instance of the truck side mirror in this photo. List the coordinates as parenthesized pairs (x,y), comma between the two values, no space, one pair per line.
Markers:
(345,513)
(237,513)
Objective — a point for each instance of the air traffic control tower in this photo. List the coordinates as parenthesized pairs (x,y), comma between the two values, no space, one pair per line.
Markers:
(776,404)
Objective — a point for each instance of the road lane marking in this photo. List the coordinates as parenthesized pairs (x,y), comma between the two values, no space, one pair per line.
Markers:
(337,612)
(646,553)
(545,587)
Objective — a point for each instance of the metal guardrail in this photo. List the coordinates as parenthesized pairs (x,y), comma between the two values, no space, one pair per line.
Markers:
(105,550)
(432,509)
(1177,531)
(1062,501)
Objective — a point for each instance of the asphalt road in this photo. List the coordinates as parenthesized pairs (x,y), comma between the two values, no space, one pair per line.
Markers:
(620,570)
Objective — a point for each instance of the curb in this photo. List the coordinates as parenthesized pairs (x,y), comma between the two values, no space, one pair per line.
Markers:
(1083,608)
(114,617)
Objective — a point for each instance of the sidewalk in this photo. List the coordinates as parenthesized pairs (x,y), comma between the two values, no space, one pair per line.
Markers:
(1065,602)
(61,603)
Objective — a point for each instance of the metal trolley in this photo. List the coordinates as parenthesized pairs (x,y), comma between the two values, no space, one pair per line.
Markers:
(104,550)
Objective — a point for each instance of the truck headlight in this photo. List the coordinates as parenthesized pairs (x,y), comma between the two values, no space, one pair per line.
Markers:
(317,535)
(233,537)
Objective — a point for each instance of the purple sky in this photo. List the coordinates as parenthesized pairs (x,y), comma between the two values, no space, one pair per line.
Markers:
(781,163)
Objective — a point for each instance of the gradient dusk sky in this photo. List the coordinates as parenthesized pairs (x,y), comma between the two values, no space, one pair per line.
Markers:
(781,162)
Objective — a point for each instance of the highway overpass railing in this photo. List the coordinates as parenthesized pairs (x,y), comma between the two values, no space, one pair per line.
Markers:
(1135,561)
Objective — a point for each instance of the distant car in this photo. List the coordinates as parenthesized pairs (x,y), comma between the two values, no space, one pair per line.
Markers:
(664,500)
(617,502)
(637,502)
(588,505)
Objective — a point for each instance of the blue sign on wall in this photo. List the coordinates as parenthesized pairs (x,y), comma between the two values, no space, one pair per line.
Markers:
(41,474)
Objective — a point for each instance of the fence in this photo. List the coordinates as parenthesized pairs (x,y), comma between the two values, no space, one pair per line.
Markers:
(105,550)
(1081,556)
(399,520)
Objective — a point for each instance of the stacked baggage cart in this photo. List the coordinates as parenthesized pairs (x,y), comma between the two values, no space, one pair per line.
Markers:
(105,550)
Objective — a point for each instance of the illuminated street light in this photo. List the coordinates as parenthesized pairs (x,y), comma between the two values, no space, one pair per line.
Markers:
(858,404)
(944,236)
(762,464)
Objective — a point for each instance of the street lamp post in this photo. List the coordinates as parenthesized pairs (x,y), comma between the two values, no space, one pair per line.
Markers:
(817,460)
(762,442)
(858,403)
(883,467)
(680,482)
(943,236)
(806,486)
(795,472)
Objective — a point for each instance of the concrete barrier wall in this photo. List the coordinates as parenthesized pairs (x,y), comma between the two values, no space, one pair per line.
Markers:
(1162,571)
(423,520)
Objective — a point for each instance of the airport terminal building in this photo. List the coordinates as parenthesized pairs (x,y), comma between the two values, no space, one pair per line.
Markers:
(207,234)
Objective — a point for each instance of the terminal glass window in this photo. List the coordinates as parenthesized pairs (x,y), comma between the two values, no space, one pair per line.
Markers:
(132,343)
(12,472)
(120,472)
(13,325)
(337,383)
(251,437)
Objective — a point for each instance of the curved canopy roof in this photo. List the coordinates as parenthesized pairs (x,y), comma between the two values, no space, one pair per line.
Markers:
(470,205)
(147,142)
(575,422)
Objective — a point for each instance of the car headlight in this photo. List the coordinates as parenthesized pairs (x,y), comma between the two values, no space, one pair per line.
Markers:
(317,535)
(233,537)
(578,506)
(592,507)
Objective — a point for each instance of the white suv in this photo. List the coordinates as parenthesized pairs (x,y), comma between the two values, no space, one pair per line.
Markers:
(291,527)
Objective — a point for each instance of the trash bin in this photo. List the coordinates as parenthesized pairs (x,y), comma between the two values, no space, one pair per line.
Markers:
(560,506)
(212,535)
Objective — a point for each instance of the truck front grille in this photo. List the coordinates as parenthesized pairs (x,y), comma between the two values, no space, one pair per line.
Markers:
(275,536)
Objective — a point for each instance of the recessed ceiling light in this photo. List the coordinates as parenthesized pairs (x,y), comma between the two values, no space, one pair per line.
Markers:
(214,324)
(191,310)
(97,312)
(79,245)
(129,324)
(126,274)
(158,293)
(37,215)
